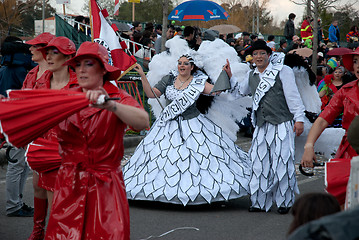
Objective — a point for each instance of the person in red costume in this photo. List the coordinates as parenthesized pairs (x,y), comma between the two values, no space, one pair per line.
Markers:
(331,84)
(57,76)
(90,198)
(306,30)
(346,101)
(38,42)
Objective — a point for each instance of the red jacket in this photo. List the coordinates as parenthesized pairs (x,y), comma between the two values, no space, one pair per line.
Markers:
(306,31)
(30,78)
(47,180)
(346,100)
(90,198)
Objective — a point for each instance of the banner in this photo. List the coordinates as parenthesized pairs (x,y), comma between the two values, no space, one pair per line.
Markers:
(105,34)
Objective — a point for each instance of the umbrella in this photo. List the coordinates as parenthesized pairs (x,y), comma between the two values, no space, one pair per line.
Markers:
(226,28)
(339,51)
(304,52)
(28,114)
(337,173)
(123,27)
(198,10)
(43,155)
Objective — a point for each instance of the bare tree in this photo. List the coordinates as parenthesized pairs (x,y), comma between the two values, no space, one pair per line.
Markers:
(11,13)
(315,36)
(164,24)
(314,8)
(323,4)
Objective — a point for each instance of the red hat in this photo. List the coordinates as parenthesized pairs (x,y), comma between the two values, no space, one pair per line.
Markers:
(63,44)
(95,50)
(43,38)
(348,59)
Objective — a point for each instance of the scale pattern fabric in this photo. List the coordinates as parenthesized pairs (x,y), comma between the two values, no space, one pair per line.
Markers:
(273,168)
(187,162)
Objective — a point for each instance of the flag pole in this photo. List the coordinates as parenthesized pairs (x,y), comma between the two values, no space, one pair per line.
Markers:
(133,11)
(91,25)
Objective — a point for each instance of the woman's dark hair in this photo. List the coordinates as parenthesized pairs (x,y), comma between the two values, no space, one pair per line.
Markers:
(312,206)
(146,41)
(204,102)
(353,28)
(294,60)
(291,16)
(137,37)
(320,71)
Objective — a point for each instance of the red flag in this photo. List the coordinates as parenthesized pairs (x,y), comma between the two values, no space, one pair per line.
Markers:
(117,7)
(337,172)
(104,34)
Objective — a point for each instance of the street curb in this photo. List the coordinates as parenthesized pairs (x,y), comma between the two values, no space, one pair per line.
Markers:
(130,141)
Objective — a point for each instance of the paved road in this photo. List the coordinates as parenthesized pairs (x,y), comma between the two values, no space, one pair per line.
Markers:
(149,220)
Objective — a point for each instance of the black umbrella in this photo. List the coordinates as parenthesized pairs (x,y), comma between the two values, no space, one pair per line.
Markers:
(122,27)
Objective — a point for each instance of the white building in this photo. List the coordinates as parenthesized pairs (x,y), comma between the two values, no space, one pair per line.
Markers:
(50,26)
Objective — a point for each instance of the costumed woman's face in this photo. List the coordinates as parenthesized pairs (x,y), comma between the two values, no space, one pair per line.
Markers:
(36,55)
(55,59)
(356,65)
(89,73)
(338,74)
(184,66)
(260,58)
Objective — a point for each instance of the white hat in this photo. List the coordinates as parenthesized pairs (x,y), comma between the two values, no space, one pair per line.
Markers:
(238,35)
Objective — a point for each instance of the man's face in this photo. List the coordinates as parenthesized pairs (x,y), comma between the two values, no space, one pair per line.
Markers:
(170,33)
(261,58)
(335,23)
(138,28)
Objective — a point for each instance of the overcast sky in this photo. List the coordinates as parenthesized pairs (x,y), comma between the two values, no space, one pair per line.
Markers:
(280,9)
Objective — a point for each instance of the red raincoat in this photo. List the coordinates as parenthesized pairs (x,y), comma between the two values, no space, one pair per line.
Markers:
(47,180)
(306,31)
(90,198)
(30,79)
(345,101)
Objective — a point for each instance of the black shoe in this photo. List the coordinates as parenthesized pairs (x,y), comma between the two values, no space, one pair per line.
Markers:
(27,208)
(21,213)
(255,209)
(283,210)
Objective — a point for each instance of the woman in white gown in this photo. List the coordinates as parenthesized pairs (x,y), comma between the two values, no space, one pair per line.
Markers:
(185,158)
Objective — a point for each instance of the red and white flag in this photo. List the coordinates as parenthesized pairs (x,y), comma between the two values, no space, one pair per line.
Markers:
(105,34)
(117,7)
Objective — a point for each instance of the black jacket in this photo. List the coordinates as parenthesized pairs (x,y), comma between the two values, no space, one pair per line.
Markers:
(289,30)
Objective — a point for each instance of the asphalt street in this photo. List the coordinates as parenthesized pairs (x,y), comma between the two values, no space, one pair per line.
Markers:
(152,220)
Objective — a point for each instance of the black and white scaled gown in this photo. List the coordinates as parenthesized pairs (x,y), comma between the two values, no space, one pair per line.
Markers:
(186,161)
